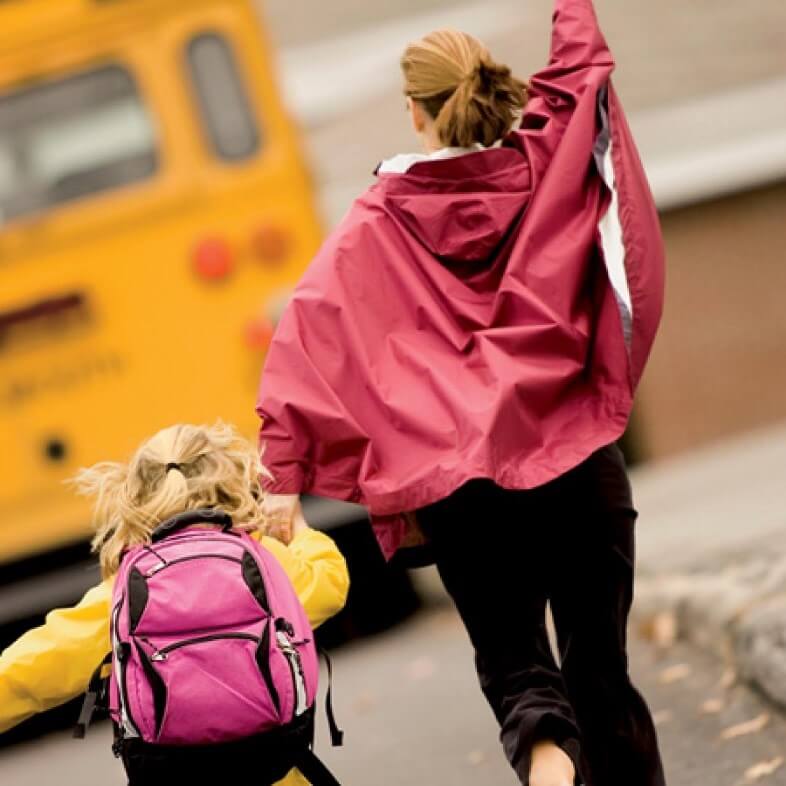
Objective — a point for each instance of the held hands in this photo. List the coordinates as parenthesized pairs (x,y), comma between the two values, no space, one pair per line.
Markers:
(282,516)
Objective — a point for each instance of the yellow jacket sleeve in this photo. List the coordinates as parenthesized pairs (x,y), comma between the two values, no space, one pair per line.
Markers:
(51,664)
(317,570)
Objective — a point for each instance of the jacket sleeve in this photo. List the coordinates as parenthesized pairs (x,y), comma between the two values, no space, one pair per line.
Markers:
(53,663)
(562,109)
(317,570)
(309,439)
(577,43)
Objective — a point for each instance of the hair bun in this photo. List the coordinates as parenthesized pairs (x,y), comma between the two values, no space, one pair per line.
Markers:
(471,98)
(488,78)
(483,107)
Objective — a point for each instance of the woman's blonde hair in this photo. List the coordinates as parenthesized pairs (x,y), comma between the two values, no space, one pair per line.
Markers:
(470,97)
(181,468)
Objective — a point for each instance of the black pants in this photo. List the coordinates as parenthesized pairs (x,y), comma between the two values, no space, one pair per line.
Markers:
(502,555)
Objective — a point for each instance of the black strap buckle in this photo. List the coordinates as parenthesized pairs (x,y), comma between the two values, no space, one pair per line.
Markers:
(96,698)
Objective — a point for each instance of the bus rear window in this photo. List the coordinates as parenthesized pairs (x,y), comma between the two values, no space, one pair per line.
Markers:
(223,102)
(63,140)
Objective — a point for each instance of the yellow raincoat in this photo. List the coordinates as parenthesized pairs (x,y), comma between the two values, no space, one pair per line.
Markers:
(51,664)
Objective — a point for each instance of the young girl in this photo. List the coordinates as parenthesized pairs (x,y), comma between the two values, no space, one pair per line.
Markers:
(181,468)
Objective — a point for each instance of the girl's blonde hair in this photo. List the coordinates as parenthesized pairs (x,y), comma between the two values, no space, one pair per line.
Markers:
(471,98)
(181,468)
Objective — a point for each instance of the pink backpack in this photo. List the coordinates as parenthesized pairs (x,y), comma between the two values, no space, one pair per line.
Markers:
(214,664)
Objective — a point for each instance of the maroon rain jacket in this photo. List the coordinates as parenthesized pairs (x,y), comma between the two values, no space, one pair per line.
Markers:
(461,321)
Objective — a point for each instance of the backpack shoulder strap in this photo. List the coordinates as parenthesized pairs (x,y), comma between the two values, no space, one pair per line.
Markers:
(95,698)
(336,734)
(313,770)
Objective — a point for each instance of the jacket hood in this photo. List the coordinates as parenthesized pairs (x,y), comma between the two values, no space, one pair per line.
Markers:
(460,208)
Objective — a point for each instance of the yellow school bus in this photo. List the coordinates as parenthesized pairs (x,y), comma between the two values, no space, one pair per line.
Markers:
(154,210)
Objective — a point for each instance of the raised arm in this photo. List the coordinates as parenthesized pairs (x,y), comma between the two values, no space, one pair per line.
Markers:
(577,42)
(579,59)
(562,109)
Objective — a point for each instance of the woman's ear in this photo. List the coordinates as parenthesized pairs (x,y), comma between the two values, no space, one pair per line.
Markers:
(418,115)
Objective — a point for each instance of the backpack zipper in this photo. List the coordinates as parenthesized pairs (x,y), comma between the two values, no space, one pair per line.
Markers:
(163,652)
(283,631)
(159,566)
(119,665)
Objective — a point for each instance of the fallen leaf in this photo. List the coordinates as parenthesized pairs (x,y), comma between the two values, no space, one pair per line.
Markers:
(421,669)
(364,703)
(752,726)
(675,673)
(662,716)
(664,629)
(728,678)
(763,769)
(476,758)
(712,707)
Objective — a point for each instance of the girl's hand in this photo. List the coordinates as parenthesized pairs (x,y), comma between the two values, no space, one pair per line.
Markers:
(278,515)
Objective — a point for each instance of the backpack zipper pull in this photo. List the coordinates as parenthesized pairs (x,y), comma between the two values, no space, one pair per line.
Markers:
(284,632)
(157,567)
(157,654)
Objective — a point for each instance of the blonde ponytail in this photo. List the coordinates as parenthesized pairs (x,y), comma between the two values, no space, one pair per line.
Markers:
(181,468)
(470,97)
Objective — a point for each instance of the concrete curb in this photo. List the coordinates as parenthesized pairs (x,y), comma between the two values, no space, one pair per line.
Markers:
(711,543)
(738,614)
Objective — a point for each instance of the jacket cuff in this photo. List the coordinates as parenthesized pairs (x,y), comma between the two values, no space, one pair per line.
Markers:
(289,479)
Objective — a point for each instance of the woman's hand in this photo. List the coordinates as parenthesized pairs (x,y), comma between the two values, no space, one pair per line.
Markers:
(299,523)
(279,514)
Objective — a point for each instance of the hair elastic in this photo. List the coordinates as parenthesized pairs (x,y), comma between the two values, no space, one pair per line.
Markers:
(173,465)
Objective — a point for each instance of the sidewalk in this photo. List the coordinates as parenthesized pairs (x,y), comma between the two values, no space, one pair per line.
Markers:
(712,552)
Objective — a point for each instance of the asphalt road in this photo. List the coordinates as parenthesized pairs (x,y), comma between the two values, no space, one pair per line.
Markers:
(408,699)
(413,714)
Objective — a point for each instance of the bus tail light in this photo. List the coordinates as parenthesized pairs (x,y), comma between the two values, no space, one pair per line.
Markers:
(271,243)
(213,258)
(259,333)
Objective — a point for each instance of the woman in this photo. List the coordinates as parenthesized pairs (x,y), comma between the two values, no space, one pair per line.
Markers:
(461,357)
